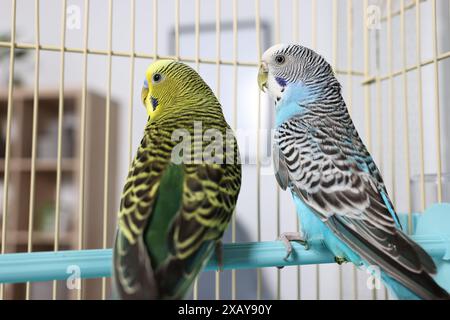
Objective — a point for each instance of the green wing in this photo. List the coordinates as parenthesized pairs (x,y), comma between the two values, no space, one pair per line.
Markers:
(174,274)
(168,227)
(133,272)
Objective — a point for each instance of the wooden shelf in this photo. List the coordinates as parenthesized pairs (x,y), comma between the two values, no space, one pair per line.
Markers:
(45,93)
(46,168)
(39,238)
(24,164)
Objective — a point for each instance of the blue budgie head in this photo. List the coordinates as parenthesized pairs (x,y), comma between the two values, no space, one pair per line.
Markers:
(296,73)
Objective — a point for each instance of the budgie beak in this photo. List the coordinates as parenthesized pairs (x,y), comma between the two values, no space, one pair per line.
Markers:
(144,94)
(262,77)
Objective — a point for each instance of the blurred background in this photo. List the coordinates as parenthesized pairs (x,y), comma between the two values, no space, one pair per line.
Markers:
(71,115)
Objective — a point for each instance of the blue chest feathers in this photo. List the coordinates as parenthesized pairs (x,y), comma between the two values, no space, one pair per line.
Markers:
(315,229)
(295,96)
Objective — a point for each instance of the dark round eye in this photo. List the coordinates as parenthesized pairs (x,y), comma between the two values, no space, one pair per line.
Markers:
(279,59)
(156,78)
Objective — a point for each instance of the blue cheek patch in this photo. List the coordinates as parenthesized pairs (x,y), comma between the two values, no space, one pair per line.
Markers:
(281,81)
(154,103)
(145,83)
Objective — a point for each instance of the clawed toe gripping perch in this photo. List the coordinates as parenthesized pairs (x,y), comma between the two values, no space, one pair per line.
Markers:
(432,232)
(287,237)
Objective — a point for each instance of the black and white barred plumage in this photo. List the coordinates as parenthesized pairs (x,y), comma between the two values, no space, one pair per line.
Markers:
(321,158)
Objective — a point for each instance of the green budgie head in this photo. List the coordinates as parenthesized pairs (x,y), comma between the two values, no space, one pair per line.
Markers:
(168,82)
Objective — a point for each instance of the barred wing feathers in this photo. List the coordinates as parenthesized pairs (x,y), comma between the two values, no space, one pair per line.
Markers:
(328,167)
(183,208)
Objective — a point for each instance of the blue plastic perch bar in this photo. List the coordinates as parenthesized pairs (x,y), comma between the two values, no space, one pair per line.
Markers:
(431,232)
(46,266)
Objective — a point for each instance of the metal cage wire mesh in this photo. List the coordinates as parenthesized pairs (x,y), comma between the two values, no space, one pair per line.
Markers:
(366,30)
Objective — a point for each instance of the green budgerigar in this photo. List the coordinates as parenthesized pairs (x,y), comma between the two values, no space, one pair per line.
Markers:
(181,189)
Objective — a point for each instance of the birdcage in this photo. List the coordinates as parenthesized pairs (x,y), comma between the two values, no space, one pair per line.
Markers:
(71,120)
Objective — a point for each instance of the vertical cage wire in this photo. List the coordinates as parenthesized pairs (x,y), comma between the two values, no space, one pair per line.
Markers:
(296,38)
(60,129)
(34,136)
(350,101)
(177,29)
(420,105)
(197,35)
(234,124)
(405,110)
(379,115)
(276,7)
(349,55)
(391,100)
(218,14)
(132,62)
(334,56)
(437,102)
(378,94)
(8,133)
(314,47)
(107,138)
(83,136)
(155,29)
(197,66)
(258,162)
(367,123)
(367,105)
(367,96)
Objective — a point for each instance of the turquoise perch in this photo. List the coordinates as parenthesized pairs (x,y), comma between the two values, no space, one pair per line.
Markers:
(431,231)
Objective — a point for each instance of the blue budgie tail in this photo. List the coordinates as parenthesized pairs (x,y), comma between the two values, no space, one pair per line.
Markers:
(313,227)
(399,291)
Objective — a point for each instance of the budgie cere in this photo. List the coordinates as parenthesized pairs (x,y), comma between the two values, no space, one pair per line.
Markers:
(175,209)
(337,188)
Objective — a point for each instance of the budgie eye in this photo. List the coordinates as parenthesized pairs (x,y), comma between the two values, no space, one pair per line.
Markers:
(279,59)
(156,78)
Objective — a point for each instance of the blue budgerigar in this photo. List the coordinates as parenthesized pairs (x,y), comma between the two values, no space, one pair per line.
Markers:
(337,188)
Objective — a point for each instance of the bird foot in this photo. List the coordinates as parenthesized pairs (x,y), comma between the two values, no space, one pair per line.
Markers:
(287,237)
(340,260)
(219,254)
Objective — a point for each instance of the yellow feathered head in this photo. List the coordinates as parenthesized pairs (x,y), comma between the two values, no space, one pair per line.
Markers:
(167,83)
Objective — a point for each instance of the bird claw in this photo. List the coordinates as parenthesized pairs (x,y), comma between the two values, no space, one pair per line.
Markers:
(340,260)
(287,237)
